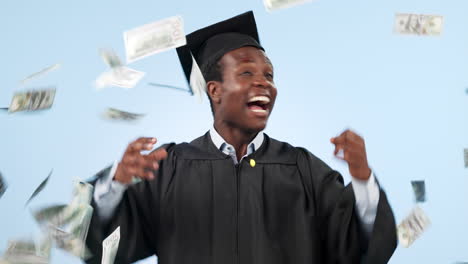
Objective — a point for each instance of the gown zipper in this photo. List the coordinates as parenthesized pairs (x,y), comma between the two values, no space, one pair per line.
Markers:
(237,211)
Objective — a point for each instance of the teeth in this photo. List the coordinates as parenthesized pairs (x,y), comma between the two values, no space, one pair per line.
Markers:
(259,110)
(261,99)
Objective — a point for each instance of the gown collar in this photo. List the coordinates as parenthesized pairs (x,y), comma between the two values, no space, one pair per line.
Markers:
(228,149)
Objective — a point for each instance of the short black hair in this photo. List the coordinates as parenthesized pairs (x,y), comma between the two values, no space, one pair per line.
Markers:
(212,71)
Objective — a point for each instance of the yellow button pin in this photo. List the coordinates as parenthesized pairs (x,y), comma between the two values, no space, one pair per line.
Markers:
(252,163)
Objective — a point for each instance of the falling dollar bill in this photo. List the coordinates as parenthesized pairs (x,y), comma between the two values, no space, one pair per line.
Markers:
(3,185)
(68,242)
(419,189)
(60,214)
(465,151)
(121,77)
(28,251)
(71,236)
(80,226)
(197,81)
(82,196)
(68,225)
(110,246)
(82,192)
(39,188)
(110,58)
(32,100)
(63,216)
(40,73)
(412,226)
(116,114)
(153,38)
(272,5)
(53,214)
(414,24)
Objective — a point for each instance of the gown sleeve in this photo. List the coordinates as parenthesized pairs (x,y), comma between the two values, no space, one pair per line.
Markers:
(342,235)
(138,217)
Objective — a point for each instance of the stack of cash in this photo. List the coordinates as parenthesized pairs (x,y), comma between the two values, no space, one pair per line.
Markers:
(37,99)
(27,251)
(413,226)
(82,193)
(67,225)
(32,100)
(70,242)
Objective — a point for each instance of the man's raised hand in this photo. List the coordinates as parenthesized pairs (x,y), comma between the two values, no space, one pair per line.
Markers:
(354,153)
(135,164)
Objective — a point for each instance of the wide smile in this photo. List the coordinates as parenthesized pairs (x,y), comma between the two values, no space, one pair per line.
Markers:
(259,105)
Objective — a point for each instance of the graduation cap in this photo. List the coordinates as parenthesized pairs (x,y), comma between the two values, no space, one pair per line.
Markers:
(209,44)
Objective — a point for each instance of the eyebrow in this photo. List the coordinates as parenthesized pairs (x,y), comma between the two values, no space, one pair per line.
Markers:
(245,58)
(248,59)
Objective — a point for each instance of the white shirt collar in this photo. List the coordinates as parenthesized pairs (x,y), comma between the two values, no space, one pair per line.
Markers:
(228,149)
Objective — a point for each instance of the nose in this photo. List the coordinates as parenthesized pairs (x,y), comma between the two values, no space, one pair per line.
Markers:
(261,81)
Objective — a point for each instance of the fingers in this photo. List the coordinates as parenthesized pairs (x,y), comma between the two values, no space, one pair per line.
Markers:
(346,136)
(350,155)
(158,154)
(350,144)
(353,150)
(126,172)
(134,164)
(143,143)
(354,157)
(347,139)
(139,172)
(137,165)
(140,161)
(339,150)
(149,161)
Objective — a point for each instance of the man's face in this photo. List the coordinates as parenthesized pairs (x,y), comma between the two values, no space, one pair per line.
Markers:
(247,93)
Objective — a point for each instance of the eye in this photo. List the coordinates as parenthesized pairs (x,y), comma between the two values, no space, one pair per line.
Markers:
(269,75)
(246,73)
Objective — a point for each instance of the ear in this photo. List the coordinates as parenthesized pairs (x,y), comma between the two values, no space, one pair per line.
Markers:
(214,91)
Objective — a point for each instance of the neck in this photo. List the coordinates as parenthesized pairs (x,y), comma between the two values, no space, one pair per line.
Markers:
(237,137)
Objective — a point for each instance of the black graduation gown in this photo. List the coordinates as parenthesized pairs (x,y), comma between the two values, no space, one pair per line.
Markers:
(290,208)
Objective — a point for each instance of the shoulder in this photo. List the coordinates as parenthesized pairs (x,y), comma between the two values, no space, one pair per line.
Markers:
(278,146)
(276,151)
(200,148)
(301,155)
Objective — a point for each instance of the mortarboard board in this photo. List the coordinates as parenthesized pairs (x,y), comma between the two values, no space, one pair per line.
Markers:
(209,44)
